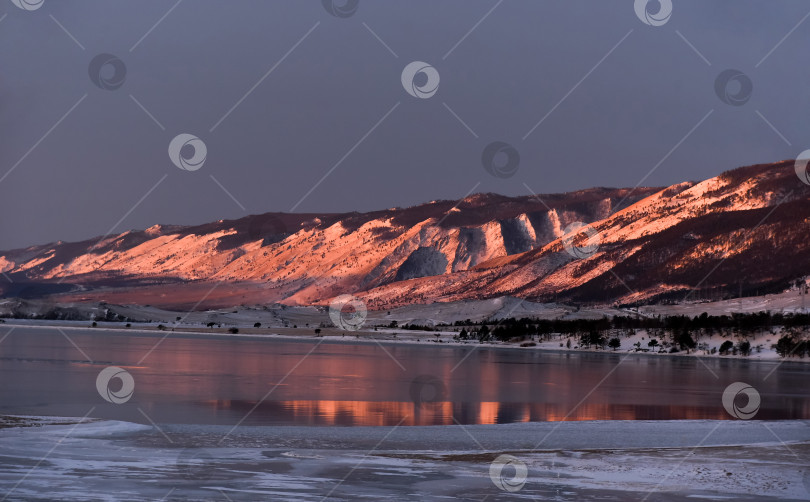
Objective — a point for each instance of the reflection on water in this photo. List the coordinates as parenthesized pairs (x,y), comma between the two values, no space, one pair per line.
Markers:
(347,413)
(273,382)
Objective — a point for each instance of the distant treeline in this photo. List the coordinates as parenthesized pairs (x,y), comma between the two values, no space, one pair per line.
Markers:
(741,322)
(684,331)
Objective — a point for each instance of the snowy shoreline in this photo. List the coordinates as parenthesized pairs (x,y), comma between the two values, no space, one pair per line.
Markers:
(516,436)
(394,337)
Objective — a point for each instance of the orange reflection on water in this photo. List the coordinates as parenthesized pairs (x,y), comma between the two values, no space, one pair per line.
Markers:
(352,413)
(488,413)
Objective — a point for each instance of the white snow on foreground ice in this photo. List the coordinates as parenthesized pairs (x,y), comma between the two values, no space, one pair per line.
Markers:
(608,461)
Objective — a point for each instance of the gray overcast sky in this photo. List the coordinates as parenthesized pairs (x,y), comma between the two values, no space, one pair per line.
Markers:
(509,72)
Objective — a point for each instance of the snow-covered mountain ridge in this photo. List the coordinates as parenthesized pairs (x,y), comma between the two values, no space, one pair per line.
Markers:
(745,228)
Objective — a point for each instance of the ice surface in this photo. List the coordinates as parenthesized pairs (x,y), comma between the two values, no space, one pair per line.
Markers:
(611,461)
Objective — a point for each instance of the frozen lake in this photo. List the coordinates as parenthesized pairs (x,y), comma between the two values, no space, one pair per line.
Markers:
(224,381)
(218,418)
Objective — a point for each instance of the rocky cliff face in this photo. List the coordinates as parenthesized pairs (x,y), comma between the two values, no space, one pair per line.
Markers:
(745,230)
